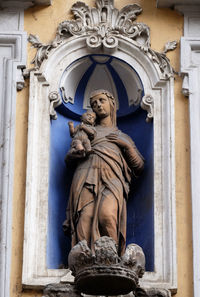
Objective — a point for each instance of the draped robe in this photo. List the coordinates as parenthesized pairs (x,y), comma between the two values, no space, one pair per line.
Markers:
(106,168)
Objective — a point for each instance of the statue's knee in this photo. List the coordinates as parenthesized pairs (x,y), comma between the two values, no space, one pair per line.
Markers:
(107,218)
(86,214)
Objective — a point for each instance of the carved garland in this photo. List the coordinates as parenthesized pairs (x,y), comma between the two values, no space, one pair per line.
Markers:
(102,26)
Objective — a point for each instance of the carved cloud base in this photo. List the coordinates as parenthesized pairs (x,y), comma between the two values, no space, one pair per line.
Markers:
(102,272)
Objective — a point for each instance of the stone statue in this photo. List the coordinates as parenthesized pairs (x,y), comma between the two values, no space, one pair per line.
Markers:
(100,185)
(82,134)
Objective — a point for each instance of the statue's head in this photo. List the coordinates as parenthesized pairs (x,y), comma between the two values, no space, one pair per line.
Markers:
(112,102)
(89,117)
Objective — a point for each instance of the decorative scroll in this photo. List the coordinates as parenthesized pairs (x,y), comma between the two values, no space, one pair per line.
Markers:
(42,49)
(65,98)
(102,27)
(55,101)
(147,104)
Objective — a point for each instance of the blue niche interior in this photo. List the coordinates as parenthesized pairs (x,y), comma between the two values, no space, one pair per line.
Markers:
(131,120)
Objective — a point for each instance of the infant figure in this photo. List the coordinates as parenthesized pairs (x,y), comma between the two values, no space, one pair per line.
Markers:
(81,135)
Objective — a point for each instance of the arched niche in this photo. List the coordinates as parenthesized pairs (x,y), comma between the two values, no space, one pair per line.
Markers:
(44,95)
(79,79)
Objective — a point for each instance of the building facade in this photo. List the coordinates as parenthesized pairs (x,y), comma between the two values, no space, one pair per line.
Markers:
(168,21)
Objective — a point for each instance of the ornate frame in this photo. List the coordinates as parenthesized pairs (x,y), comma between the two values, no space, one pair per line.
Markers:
(128,41)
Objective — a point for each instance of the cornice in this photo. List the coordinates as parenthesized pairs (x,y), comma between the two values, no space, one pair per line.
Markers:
(188,9)
(42,2)
(172,3)
(23,4)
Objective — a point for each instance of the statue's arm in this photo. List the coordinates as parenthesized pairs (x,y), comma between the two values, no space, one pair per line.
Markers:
(134,159)
(72,129)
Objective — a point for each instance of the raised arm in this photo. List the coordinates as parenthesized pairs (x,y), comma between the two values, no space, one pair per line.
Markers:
(72,129)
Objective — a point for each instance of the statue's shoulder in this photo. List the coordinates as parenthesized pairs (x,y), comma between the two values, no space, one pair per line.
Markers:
(125,137)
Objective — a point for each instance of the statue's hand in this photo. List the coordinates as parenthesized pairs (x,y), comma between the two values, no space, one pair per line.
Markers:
(122,143)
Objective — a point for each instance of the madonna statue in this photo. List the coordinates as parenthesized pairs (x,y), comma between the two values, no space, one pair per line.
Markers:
(100,186)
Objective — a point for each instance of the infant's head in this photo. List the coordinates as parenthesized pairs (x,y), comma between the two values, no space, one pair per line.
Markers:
(88,117)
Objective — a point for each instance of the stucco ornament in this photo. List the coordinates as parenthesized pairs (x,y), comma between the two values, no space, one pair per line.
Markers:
(103,26)
(104,23)
(147,104)
(42,49)
(55,101)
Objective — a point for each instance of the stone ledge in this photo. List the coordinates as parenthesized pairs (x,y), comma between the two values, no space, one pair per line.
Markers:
(24,4)
(172,3)
(42,2)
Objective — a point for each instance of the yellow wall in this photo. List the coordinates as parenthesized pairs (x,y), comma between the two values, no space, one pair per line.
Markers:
(165,25)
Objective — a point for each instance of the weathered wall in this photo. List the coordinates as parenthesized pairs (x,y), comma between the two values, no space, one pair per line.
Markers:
(165,25)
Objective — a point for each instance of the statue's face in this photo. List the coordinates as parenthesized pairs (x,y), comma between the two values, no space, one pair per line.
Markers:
(100,105)
(89,117)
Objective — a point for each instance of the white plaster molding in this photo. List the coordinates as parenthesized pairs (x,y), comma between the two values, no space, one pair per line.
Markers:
(13,41)
(74,73)
(12,60)
(13,19)
(46,80)
(12,57)
(191,19)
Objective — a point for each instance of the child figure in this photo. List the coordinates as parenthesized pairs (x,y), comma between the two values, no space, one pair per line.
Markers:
(82,134)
